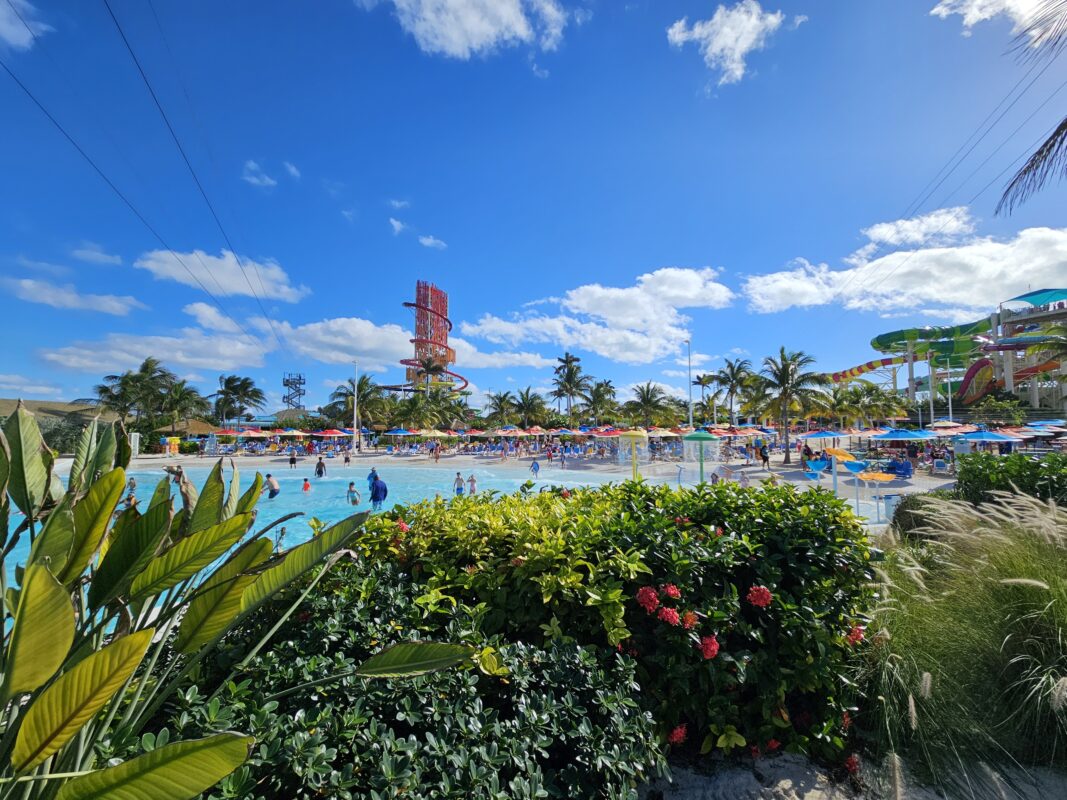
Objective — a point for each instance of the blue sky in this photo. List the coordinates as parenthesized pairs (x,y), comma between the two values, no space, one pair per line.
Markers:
(608,177)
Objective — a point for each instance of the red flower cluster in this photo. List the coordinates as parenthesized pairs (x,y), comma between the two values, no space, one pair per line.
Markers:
(855,636)
(671,591)
(565,493)
(403,526)
(759,596)
(689,620)
(677,735)
(846,720)
(852,764)
(755,751)
(669,615)
(647,598)
(772,745)
(718,531)
(709,646)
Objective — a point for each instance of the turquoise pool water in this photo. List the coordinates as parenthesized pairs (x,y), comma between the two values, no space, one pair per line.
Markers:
(326,500)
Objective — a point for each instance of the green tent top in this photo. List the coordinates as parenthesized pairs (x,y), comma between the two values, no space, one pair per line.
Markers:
(700,436)
(1040,297)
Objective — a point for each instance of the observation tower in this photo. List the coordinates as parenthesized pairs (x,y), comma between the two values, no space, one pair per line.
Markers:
(432,327)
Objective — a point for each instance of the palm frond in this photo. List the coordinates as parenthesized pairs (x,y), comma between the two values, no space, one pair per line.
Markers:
(1045,35)
(1047,161)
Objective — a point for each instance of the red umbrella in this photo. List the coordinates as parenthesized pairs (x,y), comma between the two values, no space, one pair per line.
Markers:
(227,432)
(329,432)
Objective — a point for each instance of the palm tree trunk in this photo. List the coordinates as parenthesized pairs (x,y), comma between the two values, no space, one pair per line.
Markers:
(785,433)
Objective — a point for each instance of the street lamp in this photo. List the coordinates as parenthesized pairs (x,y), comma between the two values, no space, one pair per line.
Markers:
(689,362)
(355,410)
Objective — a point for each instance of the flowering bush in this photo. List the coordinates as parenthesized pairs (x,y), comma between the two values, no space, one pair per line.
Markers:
(981,474)
(739,605)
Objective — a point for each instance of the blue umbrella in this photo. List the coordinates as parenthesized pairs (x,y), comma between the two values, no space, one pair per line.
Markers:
(904,436)
(1037,422)
(563,432)
(398,432)
(987,436)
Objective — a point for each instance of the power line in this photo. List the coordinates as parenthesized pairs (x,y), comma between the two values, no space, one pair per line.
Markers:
(118,192)
(192,171)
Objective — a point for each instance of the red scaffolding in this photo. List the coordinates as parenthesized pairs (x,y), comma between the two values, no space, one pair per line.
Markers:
(432,327)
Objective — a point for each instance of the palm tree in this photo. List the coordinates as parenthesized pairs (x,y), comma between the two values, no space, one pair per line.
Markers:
(790,386)
(731,378)
(237,396)
(649,401)
(429,368)
(501,407)
(1046,35)
(600,401)
(369,394)
(755,398)
(570,381)
(182,402)
(705,382)
(530,406)
(139,393)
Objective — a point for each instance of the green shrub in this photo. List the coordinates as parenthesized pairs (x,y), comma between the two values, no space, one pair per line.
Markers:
(968,663)
(981,474)
(664,575)
(913,510)
(562,722)
(188,448)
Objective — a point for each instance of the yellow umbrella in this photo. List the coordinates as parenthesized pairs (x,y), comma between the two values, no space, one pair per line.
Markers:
(842,455)
(634,436)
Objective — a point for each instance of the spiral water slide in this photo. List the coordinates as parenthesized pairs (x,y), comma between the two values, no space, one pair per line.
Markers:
(427,320)
(951,344)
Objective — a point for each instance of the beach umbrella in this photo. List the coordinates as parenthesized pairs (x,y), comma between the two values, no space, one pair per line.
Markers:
(633,437)
(1048,422)
(857,468)
(987,436)
(433,434)
(701,437)
(904,436)
(397,432)
(536,430)
(563,432)
(227,432)
(945,423)
(820,435)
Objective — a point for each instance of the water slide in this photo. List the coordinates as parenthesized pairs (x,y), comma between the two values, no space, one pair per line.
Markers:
(951,345)
(980,381)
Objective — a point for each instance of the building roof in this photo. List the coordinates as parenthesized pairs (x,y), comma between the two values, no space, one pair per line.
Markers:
(56,409)
(191,427)
(1040,297)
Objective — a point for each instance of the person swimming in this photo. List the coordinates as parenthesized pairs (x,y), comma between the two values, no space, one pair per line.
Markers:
(272,487)
(352,496)
(307,486)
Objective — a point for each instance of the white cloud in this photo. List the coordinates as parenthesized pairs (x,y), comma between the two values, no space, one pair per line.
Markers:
(634,325)
(950,281)
(222,274)
(433,242)
(343,340)
(18,33)
(936,227)
(43,267)
(679,392)
(209,317)
(396,225)
(464,28)
(739,351)
(94,254)
(799,20)
(291,169)
(192,348)
(23,387)
(675,373)
(254,174)
(1020,12)
(468,356)
(698,360)
(728,37)
(399,204)
(32,290)
(349,214)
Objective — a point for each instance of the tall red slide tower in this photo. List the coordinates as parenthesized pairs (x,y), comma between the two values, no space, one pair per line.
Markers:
(432,327)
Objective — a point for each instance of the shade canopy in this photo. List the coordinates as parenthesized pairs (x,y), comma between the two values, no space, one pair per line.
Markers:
(944,423)
(904,436)
(820,435)
(1040,297)
(398,432)
(987,436)
(700,436)
(636,434)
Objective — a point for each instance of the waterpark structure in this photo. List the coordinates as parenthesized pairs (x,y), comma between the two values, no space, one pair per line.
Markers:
(432,327)
(968,362)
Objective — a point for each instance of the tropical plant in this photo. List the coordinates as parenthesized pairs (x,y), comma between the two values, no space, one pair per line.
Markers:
(428,369)
(731,378)
(236,396)
(790,385)
(138,394)
(1045,36)
(500,408)
(112,612)
(530,406)
(369,394)
(980,476)
(570,381)
(649,401)
(600,401)
(998,412)
(181,402)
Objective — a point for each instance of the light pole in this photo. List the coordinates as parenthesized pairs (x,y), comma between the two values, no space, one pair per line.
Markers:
(355,409)
(689,362)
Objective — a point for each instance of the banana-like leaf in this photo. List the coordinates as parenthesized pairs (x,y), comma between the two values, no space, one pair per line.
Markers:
(123,451)
(27,471)
(42,634)
(189,556)
(408,659)
(300,559)
(251,496)
(162,492)
(230,508)
(208,511)
(5,463)
(63,708)
(104,456)
(218,601)
(177,771)
(91,516)
(53,543)
(83,457)
(129,553)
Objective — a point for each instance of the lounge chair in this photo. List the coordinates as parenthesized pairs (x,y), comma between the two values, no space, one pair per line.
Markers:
(940,467)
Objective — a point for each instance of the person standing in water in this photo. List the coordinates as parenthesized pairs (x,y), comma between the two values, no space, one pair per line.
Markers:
(472,484)
(320,468)
(457,484)
(352,495)
(272,487)
(307,486)
(292,458)
(378,492)
(372,476)
(535,468)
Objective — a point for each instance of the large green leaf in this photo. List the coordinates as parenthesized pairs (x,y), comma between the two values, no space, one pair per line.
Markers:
(176,771)
(83,456)
(218,601)
(209,505)
(91,516)
(408,659)
(161,494)
(42,634)
(123,451)
(230,508)
(104,456)
(129,553)
(53,543)
(189,556)
(5,463)
(251,496)
(63,708)
(300,559)
(28,475)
